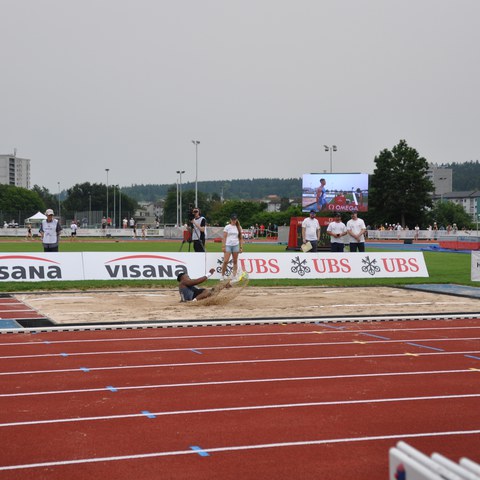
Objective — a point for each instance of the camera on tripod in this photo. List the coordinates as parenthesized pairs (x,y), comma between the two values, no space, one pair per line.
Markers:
(191,215)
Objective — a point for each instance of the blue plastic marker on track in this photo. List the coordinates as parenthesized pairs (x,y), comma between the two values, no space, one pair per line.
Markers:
(473,356)
(112,389)
(47,342)
(200,451)
(196,351)
(148,414)
(425,346)
(326,325)
(84,369)
(64,354)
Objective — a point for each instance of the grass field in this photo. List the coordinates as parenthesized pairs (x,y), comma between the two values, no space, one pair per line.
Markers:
(443,267)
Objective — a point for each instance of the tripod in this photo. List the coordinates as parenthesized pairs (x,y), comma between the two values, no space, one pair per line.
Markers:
(187,238)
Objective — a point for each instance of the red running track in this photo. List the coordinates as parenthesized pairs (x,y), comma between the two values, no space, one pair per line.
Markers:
(292,401)
(12,308)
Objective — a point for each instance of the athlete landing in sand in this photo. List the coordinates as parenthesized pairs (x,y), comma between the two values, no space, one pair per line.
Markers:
(188,287)
(189,292)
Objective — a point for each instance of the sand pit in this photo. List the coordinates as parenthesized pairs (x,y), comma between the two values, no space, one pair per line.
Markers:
(252,302)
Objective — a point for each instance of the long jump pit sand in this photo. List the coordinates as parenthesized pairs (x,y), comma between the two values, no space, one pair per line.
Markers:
(163,304)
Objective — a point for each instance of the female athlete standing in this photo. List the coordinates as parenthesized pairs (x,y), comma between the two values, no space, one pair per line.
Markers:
(232,245)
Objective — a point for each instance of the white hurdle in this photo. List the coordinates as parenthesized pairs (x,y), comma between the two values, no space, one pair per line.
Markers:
(406,462)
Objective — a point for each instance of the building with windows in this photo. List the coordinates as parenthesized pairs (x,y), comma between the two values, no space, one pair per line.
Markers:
(470,201)
(442,179)
(15,171)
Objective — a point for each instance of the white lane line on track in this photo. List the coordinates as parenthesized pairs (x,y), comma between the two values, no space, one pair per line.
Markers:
(239,347)
(69,298)
(242,409)
(329,441)
(241,335)
(17,310)
(240,382)
(237,362)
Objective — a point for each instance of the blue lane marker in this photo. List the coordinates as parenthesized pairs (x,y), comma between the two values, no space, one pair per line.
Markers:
(64,354)
(425,346)
(200,451)
(47,342)
(196,351)
(329,326)
(112,389)
(84,369)
(473,356)
(148,414)
(374,336)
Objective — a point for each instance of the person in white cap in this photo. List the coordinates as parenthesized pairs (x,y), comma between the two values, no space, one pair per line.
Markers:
(50,232)
(356,229)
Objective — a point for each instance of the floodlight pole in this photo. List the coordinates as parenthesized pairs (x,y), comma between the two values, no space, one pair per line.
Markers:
(119,206)
(196,143)
(331,149)
(89,209)
(180,197)
(107,170)
(59,211)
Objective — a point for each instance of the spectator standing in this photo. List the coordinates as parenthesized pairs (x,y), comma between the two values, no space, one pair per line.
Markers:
(356,229)
(232,245)
(73,231)
(311,231)
(29,235)
(337,230)
(199,230)
(50,232)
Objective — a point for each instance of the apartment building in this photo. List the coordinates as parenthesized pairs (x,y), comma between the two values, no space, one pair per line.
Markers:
(14,170)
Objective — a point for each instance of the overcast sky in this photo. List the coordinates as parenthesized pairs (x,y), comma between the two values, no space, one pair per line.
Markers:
(87,85)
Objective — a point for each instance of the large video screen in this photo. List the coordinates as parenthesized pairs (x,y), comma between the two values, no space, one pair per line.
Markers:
(335,192)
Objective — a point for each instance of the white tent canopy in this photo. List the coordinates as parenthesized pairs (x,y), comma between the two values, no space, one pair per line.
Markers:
(38,216)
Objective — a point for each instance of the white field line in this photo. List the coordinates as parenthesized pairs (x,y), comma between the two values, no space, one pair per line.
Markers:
(242,409)
(239,382)
(242,335)
(211,450)
(234,362)
(239,347)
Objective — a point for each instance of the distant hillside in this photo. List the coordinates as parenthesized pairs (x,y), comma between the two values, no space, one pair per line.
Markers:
(466,176)
(249,189)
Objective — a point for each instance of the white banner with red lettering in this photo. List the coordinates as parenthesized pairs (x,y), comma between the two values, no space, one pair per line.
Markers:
(167,265)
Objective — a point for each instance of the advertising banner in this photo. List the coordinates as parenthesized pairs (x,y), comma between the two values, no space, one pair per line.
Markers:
(38,267)
(24,267)
(475,266)
(131,266)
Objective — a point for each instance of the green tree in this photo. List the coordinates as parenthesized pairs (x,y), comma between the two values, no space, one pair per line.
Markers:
(17,199)
(246,212)
(188,202)
(399,188)
(49,199)
(81,196)
(447,213)
(284,204)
